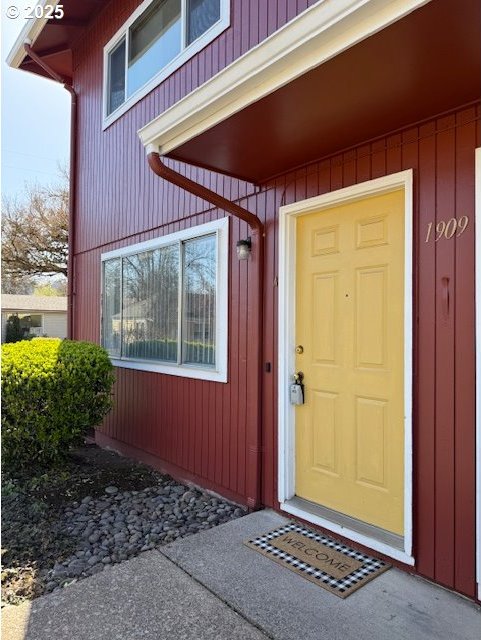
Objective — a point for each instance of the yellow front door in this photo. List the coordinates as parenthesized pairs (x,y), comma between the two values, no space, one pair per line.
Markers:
(349,322)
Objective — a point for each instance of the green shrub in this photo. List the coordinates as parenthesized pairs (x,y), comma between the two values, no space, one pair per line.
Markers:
(53,391)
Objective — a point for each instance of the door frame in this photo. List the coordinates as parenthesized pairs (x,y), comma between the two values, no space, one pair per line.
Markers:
(288,215)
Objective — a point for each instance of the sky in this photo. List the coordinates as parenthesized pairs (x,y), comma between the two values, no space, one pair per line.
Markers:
(35,119)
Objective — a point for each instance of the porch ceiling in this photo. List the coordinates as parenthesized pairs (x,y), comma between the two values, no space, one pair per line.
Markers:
(425,64)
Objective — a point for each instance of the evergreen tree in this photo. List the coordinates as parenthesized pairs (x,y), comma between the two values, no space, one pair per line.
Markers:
(14,331)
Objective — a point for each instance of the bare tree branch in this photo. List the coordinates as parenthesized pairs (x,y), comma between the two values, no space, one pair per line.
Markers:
(35,233)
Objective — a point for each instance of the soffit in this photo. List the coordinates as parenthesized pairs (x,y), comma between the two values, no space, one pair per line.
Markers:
(424,64)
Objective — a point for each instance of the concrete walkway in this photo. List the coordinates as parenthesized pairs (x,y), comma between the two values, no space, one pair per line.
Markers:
(211,586)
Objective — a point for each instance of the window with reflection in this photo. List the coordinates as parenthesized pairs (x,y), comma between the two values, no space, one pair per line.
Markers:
(151,41)
(154,40)
(160,304)
(198,309)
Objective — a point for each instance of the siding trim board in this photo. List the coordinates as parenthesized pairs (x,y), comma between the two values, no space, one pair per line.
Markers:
(286,351)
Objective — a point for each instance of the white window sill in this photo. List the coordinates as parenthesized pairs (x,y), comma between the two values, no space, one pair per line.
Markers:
(183,371)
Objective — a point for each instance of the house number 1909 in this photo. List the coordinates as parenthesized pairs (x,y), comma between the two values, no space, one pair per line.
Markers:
(447,229)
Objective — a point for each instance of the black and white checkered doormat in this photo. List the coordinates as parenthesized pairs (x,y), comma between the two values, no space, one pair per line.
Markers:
(366,567)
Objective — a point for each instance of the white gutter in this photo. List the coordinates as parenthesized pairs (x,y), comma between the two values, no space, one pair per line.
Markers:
(30,32)
(313,37)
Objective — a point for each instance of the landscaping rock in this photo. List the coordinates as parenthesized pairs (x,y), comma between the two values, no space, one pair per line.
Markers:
(113,524)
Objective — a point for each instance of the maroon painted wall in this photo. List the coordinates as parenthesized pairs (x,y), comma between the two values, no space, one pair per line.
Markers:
(441,154)
(99,155)
(198,428)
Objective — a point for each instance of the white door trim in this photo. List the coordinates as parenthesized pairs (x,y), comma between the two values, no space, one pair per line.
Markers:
(286,348)
(477,223)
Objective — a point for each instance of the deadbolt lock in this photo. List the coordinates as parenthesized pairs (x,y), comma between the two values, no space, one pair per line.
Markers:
(299,349)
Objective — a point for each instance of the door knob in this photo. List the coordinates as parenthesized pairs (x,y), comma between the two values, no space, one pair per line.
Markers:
(299,349)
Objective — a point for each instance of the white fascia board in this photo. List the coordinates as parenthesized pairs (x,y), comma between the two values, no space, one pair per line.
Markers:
(30,32)
(313,37)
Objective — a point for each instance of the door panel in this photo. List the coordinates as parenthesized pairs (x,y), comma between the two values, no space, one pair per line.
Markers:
(350,322)
(324,445)
(370,316)
(325,296)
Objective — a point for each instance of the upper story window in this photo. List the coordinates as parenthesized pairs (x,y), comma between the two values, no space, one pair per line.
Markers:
(164,303)
(156,40)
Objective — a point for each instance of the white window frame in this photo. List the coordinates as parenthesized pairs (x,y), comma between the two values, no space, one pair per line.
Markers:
(184,55)
(219,372)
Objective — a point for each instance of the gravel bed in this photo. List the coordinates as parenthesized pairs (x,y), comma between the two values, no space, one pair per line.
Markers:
(120,525)
(96,509)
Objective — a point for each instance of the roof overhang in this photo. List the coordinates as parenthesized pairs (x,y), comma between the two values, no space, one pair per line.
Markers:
(333,76)
(52,38)
(30,32)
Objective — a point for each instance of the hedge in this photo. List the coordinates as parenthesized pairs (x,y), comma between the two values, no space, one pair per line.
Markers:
(53,391)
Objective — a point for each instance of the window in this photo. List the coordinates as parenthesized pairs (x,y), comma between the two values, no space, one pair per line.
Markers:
(157,39)
(201,15)
(31,324)
(154,40)
(164,303)
(116,77)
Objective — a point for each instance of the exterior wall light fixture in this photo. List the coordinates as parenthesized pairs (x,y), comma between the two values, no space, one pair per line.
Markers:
(244,249)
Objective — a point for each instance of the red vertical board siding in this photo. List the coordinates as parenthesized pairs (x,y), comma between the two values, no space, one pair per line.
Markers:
(269,415)
(425,362)
(349,169)
(464,443)
(200,427)
(363,164)
(445,381)
(98,158)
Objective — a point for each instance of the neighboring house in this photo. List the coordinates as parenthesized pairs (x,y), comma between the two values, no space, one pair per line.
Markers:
(39,315)
(341,138)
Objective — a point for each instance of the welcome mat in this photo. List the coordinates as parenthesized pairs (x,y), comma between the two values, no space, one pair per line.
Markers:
(326,562)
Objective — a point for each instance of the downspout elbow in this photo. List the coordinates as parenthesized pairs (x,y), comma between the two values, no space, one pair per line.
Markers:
(27,45)
(159,168)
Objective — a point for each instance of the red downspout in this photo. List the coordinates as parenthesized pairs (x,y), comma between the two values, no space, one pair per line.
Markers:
(253,479)
(73,169)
